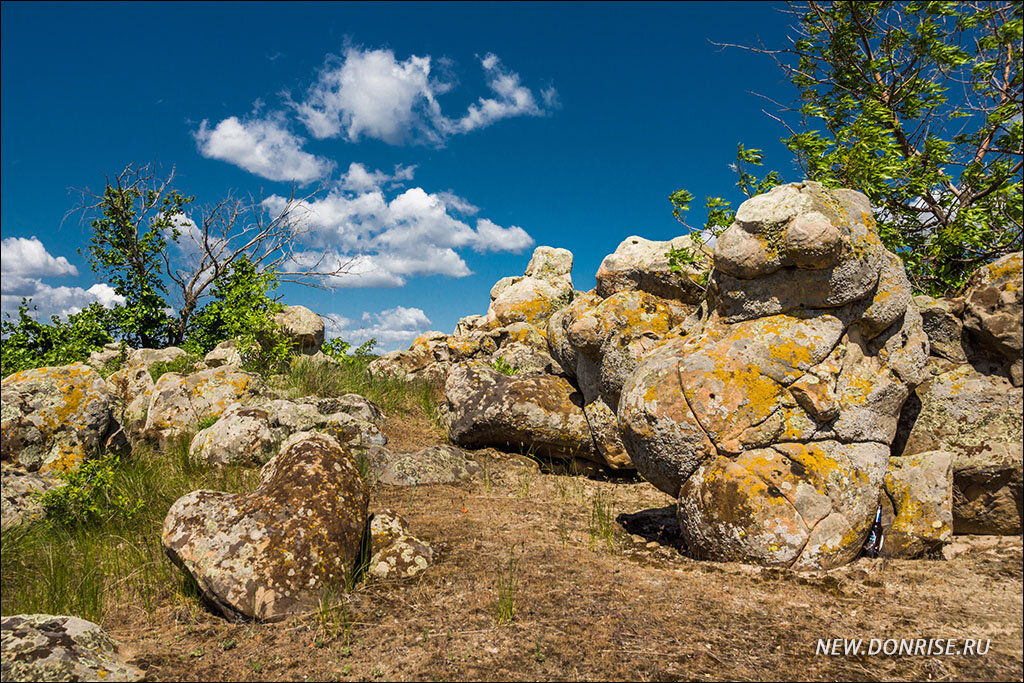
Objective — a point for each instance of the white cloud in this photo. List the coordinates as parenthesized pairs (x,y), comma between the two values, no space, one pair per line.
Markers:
(392,328)
(371,94)
(25,261)
(262,146)
(359,179)
(383,242)
(27,257)
(513,99)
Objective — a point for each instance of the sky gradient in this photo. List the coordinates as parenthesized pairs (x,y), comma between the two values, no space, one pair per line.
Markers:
(448,139)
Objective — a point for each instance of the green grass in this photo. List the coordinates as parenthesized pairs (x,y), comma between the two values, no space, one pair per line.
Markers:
(508,584)
(602,526)
(88,568)
(184,365)
(307,377)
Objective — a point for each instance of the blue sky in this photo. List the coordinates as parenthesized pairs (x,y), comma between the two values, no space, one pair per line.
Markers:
(478,131)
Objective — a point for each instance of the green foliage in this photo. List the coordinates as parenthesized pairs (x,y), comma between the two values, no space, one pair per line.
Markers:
(132,222)
(338,350)
(27,343)
(207,422)
(503,366)
(88,495)
(918,105)
(720,213)
(242,309)
(504,605)
(184,365)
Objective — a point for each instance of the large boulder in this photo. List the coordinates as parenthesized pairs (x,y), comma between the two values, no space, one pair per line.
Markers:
(272,553)
(179,402)
(639,264)
(43,647)
(540,414)
(771,418)
(54,418)
(993,303)
(303,328)
(976,416)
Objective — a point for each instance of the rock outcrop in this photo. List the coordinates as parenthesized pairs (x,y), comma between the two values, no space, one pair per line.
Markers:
(54,418)
(19,499)
(303,328)
(273,553)
(431,465)
(43,647)
(250,434)
(970,403)
(771,418)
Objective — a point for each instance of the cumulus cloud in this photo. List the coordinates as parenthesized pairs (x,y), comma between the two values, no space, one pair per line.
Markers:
(382,242)
(392,328)
(371,94)
(25,262)
(262,146)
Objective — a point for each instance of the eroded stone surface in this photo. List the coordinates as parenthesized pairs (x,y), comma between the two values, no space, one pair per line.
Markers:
(395,553)
(43,647)
(431,465)
(19,495)
(642,264)
(54,418)
(272,553)
(918,504)
(993,305)
(771,418)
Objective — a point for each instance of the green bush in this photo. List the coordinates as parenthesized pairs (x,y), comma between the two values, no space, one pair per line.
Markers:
(184,365)
(503,366)
(27,343)
(88,495)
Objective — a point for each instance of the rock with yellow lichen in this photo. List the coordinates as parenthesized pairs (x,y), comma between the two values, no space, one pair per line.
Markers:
(643,265)
(537,414)
(771,416)
(274,552)
(179,402)
(44,647)
(917,508)
(53,418)
(533,297)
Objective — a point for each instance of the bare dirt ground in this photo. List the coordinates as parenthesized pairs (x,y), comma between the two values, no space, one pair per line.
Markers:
(589,604)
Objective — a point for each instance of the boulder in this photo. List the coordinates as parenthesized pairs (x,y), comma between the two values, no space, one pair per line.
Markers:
(179,402)
(19,495)
(302,327)
(771,414)
(250,434)
(43,647)
(532,298)
(108,354)
(918,504)
(53,418)
(272,553)
(431,465)
(993,303)
(395,553)
(224,354)
(976,416)
(541,414)
(639,264)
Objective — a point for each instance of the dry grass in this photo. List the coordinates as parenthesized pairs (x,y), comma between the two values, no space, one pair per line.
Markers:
(600,591)
(582,611)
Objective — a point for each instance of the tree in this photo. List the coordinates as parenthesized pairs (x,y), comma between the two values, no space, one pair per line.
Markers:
(139,216)
(918,105)
(131,222)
